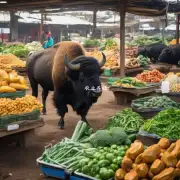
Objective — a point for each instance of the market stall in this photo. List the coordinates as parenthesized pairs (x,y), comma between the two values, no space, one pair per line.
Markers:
(19,113)
(128,88)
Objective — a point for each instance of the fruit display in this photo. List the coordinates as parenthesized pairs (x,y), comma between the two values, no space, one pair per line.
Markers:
(129,82)
(126,119)
(153,76)
(10,60)
(34,46)
(132,63)
(19,105)
(175,88)
(11,82)
(163,102)
(160,161)
(165,124)
(143,61)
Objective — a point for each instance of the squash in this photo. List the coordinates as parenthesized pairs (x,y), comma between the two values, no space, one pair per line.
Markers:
(120,174)
(142,170)
(164,143)
(169,159)
(132,175)
(13,78)
(6,89)
(18,86)
(126,164)
(136,148)
(166,174)
(157,166)
(4,75)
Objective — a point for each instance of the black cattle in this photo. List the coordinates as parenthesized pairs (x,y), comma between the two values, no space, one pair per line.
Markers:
(170,55)
(151,51)
(75,82)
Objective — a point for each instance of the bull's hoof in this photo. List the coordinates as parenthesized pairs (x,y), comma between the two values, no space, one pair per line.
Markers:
(44,113)
(61,124)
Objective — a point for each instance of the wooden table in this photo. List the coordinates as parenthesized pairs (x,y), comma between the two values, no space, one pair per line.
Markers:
(124,96)
(24,135)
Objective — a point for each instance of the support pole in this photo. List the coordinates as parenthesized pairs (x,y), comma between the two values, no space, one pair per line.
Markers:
(94,22)
(177,28)
(122,39)
(13,27)
(41,29)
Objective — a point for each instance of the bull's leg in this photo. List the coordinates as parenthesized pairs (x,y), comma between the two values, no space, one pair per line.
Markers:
(44,97)
(61,107)
(34,86)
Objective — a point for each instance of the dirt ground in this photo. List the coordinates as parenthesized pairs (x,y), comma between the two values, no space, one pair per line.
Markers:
(21,163)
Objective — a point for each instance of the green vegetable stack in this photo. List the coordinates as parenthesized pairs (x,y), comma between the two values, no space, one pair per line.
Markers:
(127,119)
(164,124)
(143,61)
(155,102)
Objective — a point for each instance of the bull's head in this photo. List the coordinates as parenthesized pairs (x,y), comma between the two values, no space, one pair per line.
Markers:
(165,56)
(84,72)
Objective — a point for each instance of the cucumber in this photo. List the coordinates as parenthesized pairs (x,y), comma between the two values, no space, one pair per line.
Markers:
(132,137)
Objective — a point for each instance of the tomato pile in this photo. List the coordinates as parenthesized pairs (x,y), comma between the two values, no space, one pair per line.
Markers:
(153,76)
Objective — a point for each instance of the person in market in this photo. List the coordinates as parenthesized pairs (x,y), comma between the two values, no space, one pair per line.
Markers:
(50,42)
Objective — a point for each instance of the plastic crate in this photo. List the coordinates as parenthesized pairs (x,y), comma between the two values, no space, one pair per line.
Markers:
(80,176)
(51,170)
(13,95)
(5,120)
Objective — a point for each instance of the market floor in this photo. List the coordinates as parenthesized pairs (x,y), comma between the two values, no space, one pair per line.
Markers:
(21,163)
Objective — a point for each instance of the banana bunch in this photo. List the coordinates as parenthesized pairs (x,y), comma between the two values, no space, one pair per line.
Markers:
(19,105)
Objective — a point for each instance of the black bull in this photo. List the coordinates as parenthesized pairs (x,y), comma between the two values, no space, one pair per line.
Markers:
(82,73)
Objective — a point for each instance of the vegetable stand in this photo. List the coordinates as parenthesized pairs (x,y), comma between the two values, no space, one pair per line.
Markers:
(23,132)
(126,95)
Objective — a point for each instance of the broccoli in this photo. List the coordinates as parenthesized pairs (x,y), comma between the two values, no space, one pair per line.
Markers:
(103,138)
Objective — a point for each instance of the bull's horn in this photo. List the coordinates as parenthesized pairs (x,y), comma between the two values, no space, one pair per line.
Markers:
(71,66)
(103,61)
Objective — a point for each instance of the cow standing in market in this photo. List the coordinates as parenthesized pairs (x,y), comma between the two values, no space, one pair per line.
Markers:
(151,51)
(66,70)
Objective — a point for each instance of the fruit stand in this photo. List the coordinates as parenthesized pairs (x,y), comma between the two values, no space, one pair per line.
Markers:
(19,113)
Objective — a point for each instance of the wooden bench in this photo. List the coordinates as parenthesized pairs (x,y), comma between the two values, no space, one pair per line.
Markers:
(24,135)
(124,96)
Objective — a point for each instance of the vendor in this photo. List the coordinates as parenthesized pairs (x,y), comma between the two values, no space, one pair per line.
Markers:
(50,42)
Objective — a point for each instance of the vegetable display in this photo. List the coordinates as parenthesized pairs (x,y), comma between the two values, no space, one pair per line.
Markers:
(132,63)
(165,124)
(19,105)
(10,60)
(34,46)
(175,88)
(101,162)
(18,50)
(11,82)
(153,76)
(158,162)
(98,155)
(127,119)
(155,102)
(129,82)
(143,61)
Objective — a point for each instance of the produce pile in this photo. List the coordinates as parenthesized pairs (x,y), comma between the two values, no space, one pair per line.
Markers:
(155,102)
(160,161)
(19,105)
(165,124)
(175,88)
(109,44)
(111,58)
(143,61)
(18,50)
(153,76)
(129,82)
(145,40)
(7,61)
(132,63)
(126,119)
(34,46)
(96,154)
(11,82)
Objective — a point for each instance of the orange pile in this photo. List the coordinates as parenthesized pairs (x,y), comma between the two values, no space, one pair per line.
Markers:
(153,76)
